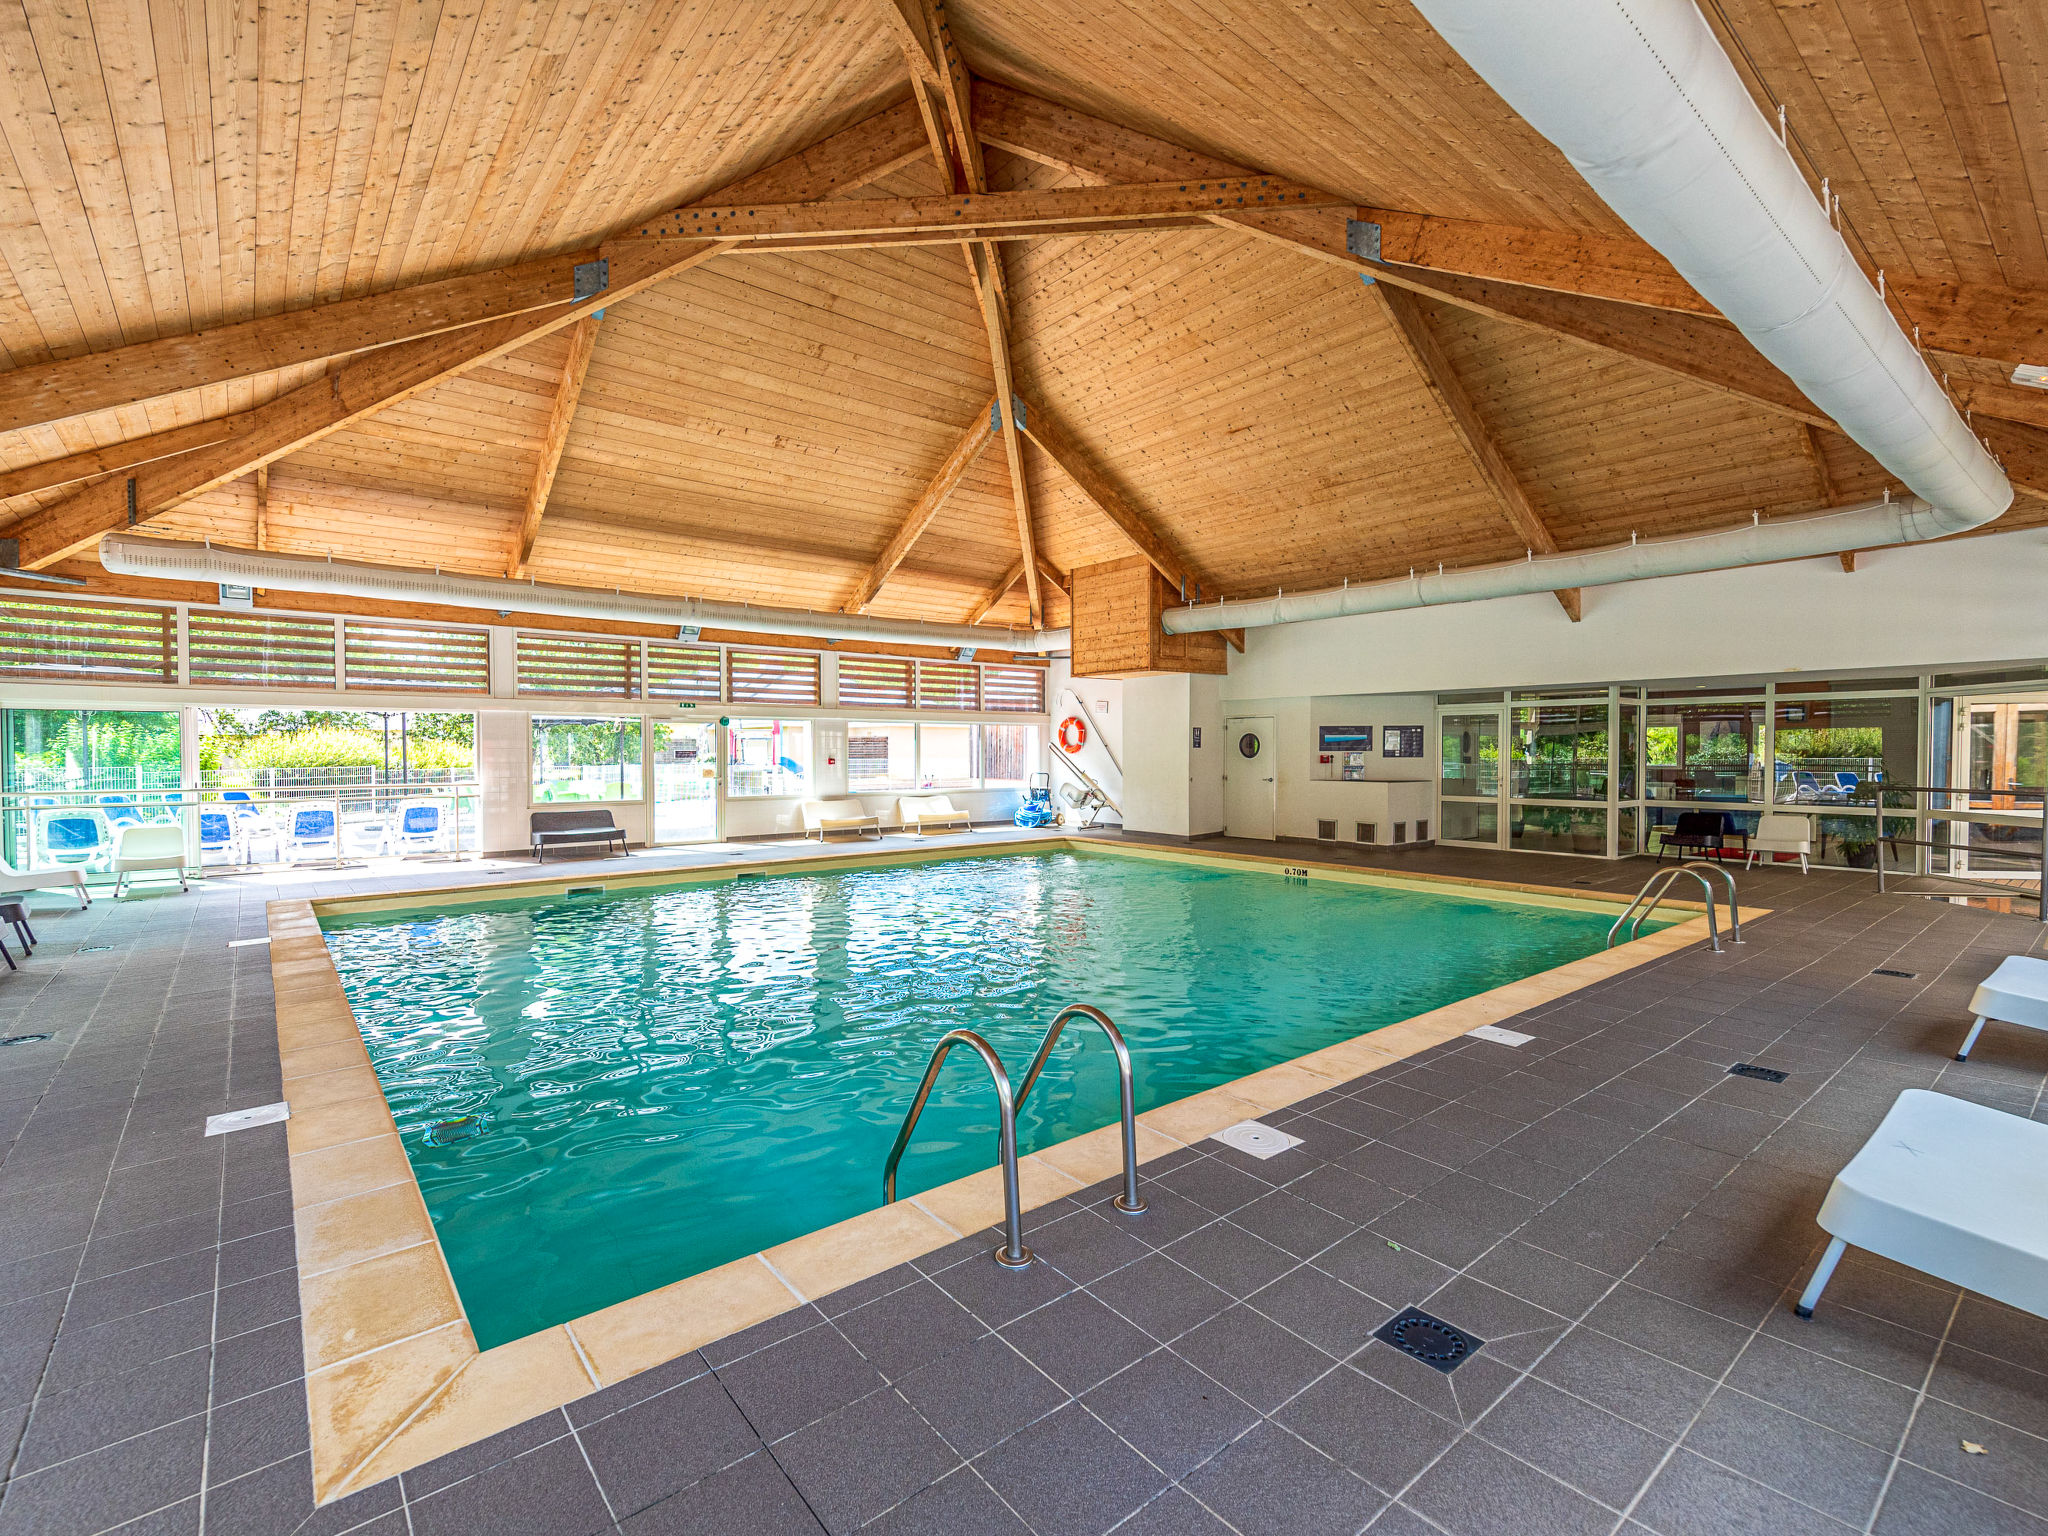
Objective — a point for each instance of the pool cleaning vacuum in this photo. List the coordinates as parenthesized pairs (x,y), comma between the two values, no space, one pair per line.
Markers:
(1038,809)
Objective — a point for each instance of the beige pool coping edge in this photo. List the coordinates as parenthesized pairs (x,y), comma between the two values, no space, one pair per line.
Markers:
(393,1374)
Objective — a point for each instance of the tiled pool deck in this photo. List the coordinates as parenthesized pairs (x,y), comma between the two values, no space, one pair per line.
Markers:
(1616,1217)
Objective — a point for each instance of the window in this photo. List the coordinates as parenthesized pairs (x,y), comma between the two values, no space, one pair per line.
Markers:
(254,651)
(1013,688)
(1560,753)
(1009,755)
(1703,751)
(773,677)
(945,756)
(578,757)
(875,682)
(881,756)
(948,685)
(688,672)
(767,757)
(88,642)
(574,666)
(1837,751)
(415,657)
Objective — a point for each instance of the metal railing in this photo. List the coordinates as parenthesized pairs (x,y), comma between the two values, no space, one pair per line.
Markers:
(1660,883)
(1130,1201)
(1013,1254)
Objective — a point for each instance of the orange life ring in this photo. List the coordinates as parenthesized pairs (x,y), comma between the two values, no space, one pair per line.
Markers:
(1080,734)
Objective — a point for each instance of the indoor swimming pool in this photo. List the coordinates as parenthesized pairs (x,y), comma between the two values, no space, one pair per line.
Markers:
(601,1093)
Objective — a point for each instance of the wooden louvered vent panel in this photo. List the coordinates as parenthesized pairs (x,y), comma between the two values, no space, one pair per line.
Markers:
(576,667)
(1013,688)
(253,650)
(773,677)
(875,682)
(688,672)
(88,642)
(948,685)
(416,658)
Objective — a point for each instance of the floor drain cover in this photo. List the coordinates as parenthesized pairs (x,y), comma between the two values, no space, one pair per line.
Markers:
(1429,1339)
(1761,1074)
(22,1039)
(87,949)
(1261,1141)
(1887,971)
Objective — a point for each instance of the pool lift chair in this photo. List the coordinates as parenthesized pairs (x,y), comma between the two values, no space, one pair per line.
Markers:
(1013,1254)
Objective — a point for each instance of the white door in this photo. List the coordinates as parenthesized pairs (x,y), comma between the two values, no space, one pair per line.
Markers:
(1249,795)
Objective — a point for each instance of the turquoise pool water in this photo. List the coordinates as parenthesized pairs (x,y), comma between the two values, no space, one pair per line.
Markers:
(666,1079)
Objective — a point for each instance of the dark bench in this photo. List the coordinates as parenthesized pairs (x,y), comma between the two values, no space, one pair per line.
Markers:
(552,827)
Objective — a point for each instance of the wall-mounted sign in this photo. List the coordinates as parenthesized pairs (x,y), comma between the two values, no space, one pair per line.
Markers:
(1343,738)
(1198,735)
(1401,741)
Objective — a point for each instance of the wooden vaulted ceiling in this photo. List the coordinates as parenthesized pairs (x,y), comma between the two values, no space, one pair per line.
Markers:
(758,424)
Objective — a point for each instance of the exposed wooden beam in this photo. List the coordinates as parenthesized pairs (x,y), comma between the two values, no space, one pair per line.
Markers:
(1816,456)
(956,464)
(369,383)
(568,390)
(983,261)
(950,214)
(46,392)
(1045,430)
(1426,354)
(908,23)
(1001,590)
(84,465)
(263,506)
(956,90)
(1055,578)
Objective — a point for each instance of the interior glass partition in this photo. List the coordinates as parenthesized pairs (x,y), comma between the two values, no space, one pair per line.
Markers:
(1469,784)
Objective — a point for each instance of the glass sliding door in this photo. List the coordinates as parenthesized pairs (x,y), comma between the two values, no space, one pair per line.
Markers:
(73,777)
(685,763)
(1469,782)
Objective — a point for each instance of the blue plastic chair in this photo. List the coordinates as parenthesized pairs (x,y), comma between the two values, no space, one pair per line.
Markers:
(216,833)
(75,839)
(312,827)
(419,826)
(1847,781)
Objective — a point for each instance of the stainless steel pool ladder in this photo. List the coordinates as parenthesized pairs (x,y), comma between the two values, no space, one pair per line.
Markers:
(1130,1202)
(1013,1254)
(1660,885)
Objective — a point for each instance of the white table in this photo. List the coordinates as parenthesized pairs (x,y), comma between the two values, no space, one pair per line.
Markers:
(2015,993)
(1950,1188)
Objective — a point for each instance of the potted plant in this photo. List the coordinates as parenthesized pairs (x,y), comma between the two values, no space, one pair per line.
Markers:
(1859,850)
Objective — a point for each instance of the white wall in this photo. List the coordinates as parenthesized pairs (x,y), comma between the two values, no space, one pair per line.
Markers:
(1959,603)
(1171,786)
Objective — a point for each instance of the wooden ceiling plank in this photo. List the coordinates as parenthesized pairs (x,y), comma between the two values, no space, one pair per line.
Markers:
(1045,430)
(956,464)
(389,375)
(147,370)
(1426,353)
(997,593)
(582,342)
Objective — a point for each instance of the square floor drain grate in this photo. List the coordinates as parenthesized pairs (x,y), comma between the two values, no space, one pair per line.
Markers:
(1887,971)
(1429,1339)
(1261,1141)
(1761,1074)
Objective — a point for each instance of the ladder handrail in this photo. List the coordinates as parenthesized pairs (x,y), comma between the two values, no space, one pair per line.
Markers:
(1130,1201)
(1013,1254)
(1666,876)
(1734,912)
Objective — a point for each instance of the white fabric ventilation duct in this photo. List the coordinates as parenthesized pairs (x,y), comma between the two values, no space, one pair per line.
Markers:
(1639,95)
(129,555)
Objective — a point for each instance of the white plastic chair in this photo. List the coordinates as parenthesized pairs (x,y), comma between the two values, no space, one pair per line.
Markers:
(1781,832)
(1952,1189)
(2015,993)
(71,877)
(158,846)
(311,833)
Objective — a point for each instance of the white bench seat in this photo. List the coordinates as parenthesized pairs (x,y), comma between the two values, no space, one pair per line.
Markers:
(2015,993)
(849,815)
(922,811)
(1952,1189)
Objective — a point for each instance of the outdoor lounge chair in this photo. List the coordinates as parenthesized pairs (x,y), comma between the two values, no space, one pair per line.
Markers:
(78,837)
(849,815)
(70,878)
(216,835)
(161,846)
(1950,1188)
(918,812)
(2015,993)
(552,829)
(310,832)
(419,828)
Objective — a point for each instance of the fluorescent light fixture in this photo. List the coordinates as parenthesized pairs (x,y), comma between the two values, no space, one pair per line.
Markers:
(2033,375)
(965,653)
(689,631)
(232,596)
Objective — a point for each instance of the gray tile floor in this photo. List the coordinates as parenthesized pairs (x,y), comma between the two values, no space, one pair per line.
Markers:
(1621,1222)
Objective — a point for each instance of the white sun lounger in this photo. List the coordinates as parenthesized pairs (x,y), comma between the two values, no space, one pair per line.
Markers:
(2015,993)
(70,878)
(1952,1189)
